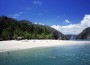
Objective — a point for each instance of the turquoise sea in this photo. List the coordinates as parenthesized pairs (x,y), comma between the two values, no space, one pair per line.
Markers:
(61,55)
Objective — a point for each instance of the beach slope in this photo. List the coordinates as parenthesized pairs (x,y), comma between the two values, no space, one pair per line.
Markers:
(25,44)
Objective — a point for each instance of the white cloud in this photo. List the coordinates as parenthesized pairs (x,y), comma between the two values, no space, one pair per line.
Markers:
(67,21)
(17,15)
(39,23)
(86,21)
(37,2)
(35,23)
(74,28)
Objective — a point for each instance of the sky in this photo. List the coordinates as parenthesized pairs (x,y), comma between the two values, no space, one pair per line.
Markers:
(67,16)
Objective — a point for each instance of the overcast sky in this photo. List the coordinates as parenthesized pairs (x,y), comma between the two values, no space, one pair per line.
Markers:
(67,16)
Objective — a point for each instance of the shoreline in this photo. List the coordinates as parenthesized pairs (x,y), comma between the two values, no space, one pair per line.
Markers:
(13,45)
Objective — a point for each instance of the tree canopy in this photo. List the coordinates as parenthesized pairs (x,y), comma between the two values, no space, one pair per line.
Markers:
(11,28)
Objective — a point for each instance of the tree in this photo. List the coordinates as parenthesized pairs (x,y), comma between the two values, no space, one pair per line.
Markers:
(43,36)
(26,35)
(49,36)
(17,33)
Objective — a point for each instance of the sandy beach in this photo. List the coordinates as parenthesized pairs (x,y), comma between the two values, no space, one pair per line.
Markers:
(25,44)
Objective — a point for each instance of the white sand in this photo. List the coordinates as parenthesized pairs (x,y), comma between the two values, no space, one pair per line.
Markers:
(25,44)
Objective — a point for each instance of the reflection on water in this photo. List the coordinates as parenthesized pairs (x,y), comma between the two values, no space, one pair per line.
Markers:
(63,55)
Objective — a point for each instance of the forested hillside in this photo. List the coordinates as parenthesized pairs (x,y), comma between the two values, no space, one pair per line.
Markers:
(11,29)
(85,34)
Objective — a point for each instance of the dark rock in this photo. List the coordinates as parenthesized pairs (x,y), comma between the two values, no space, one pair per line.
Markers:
(85,34)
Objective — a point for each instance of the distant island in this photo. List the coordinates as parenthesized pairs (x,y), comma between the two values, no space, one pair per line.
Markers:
(11,29)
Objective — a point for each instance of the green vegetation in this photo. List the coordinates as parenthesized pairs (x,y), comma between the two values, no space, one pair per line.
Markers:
(85,34)
(11,29)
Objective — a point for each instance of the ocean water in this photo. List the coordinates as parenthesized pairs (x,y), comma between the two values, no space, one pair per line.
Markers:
(61,55)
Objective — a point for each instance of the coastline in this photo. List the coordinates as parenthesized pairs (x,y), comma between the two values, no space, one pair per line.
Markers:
(12,45)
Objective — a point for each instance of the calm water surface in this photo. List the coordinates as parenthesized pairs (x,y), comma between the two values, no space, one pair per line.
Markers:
(61,55)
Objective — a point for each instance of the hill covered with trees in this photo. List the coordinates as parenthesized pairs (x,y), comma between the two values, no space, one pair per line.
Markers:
(11,28)
(85,34)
